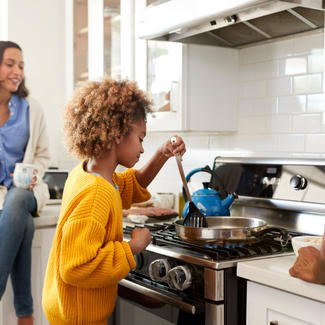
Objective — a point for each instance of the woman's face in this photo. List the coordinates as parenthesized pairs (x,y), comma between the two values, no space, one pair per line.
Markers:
(11,69)
(130,148)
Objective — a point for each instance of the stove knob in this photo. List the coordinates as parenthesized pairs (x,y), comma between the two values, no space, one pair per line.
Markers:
(179,278)
(298,182)
(139,260)
(158,270)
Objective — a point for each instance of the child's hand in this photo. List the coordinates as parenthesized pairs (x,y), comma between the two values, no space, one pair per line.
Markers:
(171,148)
(140,240)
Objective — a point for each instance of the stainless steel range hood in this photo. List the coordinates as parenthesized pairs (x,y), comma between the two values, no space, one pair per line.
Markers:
(229,23)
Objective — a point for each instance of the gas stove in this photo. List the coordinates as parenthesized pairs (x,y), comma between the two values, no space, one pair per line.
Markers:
(200,279)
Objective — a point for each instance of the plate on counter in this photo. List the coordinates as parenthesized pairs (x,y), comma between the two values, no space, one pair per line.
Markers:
(149,214)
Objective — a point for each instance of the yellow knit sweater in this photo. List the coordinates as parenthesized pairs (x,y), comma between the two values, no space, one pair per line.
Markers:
(88,255)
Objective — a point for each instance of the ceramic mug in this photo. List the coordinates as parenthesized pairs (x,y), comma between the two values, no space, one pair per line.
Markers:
(165,200)
(23,175)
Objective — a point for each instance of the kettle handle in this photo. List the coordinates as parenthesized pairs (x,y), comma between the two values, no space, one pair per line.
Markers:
(214,176)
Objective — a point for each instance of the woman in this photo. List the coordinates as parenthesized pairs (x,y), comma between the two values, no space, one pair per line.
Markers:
(23,138)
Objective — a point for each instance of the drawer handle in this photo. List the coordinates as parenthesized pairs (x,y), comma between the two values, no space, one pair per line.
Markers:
(274,322)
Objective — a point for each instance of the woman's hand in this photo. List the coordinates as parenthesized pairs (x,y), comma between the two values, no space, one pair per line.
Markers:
(309,266)
(34,180)
(171,148)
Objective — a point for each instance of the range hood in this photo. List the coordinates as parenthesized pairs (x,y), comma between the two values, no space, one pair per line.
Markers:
(229,23)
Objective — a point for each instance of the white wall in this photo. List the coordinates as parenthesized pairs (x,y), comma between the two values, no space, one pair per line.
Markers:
(39,27)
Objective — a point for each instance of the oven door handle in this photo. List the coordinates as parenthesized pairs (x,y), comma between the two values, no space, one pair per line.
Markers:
(157,295)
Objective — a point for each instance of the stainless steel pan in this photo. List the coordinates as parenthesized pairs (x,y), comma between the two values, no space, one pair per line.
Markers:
(226,229)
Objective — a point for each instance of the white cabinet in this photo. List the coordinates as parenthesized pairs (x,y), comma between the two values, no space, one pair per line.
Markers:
(41,247)
(202,91)
(266,305)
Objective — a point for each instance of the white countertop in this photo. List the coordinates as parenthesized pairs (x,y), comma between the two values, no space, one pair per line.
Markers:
(274,272)
(49,216)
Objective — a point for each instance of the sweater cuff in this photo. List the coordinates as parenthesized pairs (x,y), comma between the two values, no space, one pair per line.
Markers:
(129,254)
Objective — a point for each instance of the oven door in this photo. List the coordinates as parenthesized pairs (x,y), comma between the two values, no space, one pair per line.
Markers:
(146,302)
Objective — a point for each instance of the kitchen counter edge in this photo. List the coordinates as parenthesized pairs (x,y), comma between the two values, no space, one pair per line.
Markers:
(274,272)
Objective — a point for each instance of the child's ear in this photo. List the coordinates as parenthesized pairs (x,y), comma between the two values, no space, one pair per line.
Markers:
(118,139)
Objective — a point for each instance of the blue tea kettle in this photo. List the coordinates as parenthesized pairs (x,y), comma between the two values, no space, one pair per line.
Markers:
(210,202)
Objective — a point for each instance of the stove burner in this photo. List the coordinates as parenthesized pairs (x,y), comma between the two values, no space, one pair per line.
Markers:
(165,235)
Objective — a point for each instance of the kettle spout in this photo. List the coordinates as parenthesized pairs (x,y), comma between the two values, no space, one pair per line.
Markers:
(227,202)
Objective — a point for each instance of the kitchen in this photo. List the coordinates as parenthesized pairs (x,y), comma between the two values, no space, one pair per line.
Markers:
(278,106)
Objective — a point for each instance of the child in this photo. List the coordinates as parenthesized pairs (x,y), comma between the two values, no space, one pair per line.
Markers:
(105,124)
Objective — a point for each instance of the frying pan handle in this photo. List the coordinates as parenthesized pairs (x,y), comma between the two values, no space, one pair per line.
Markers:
(283,232)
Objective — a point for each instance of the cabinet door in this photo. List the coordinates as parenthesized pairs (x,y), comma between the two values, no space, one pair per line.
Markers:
(163,83)
(97,43)
(270,306)
(42,244)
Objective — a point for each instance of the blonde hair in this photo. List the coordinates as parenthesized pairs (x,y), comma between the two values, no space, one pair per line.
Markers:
(101,111)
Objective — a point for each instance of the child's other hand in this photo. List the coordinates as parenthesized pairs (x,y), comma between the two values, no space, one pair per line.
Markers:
(140,240)
(171,148)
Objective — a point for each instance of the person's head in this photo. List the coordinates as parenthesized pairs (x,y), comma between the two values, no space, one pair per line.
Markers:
(12,76)
(106,113)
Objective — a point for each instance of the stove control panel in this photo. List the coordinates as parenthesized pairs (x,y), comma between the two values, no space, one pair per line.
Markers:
(170,272)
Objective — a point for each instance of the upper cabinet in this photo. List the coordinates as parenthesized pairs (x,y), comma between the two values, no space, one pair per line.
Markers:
(96,39)
(193,87)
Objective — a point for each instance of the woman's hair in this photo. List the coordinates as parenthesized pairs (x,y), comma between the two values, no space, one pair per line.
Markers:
(22,91)
(101,111)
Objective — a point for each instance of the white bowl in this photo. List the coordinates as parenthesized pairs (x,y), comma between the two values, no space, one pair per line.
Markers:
(303,241)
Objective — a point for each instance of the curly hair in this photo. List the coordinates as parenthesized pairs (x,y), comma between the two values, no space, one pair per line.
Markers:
(22,91)
(101,111)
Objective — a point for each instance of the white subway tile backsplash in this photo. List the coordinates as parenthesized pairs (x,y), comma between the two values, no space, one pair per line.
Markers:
(279,49)
(291,66)
(315,143)
(290,143)
(307,84)
(280,123)
(310,43)
(252,54)
(247,72)
(316,103)
(291,104)
(316,62)
(266,70)
(245,107)
(252,89)
(307,123)
(279,86)
(265,106)
(261,142)
(252,124)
